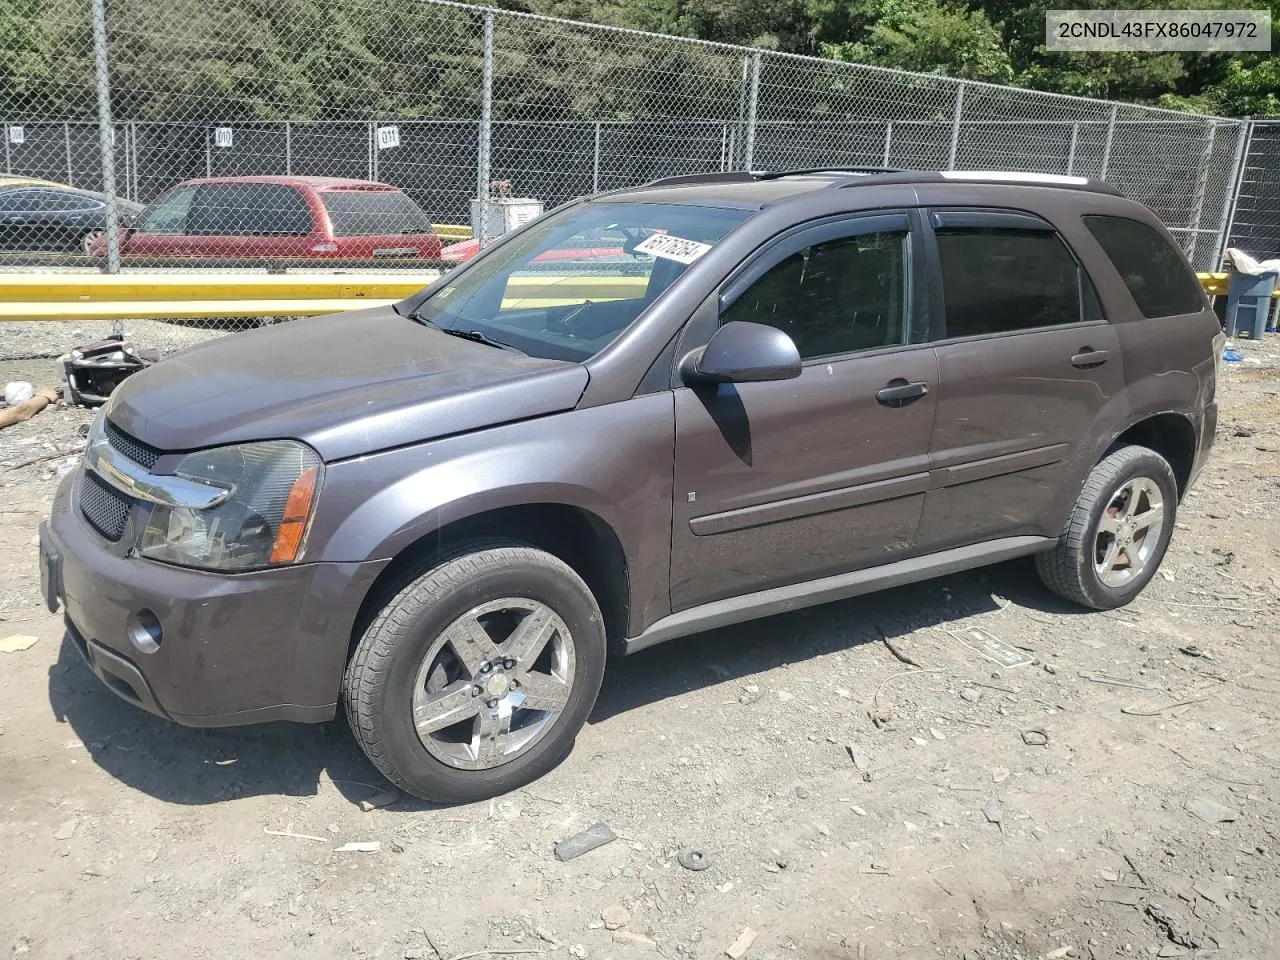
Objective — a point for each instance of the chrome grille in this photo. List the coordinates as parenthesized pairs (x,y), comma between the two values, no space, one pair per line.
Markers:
(135,450)
(106,509)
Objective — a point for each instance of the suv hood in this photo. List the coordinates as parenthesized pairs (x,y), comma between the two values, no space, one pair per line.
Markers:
(347,384)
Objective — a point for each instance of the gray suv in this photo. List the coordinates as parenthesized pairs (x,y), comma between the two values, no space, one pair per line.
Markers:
(645,414)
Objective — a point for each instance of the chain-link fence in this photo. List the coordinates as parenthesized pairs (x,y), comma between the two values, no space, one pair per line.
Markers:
(380,133)
(1255,220)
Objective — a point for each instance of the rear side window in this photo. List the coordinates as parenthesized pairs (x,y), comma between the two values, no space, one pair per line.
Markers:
(997,280)
(249,209)
(1151,268)
(373,213)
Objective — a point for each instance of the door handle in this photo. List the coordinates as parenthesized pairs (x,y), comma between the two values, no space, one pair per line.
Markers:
(899,392)
(1087,358)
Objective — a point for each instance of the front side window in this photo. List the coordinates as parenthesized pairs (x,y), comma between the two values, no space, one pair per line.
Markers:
(837,296)
(568,285)
(999,280)
(249,210)
(1155,273)
(168,215)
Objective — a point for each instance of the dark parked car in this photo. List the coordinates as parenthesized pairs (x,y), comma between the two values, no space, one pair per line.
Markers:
(41,215)
(446,512)
(305,218)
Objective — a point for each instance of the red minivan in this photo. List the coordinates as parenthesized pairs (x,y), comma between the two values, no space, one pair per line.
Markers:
(256,218)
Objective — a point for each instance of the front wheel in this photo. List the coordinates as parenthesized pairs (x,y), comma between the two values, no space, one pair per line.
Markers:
(1118,532)
(476,677)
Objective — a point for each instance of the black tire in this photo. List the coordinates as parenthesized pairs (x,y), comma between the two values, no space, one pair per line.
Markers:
(380,677)
(1068,570)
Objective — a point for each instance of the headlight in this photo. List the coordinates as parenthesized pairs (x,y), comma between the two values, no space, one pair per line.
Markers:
(265,520)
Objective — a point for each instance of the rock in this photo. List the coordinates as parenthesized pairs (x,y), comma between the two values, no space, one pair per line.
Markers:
(861,762)
(801,791)
(970,694)
(1108,875)
(626,936)
(1215,889)
(418,953)
(738,949)
(920,741)
(936,733)
(999,774)
(858,810)
(360,846)
(596,835)
(67,830)
(615,916)
(578,950)
(991,810)
(1050,668)
(785,695)
(1210,811)
(382,799)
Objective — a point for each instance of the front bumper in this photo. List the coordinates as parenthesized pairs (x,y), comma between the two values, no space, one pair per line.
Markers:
(234,648)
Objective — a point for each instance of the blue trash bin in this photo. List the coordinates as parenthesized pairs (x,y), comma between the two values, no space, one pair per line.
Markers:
(1248,304)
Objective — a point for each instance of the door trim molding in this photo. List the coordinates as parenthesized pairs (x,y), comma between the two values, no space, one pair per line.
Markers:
(763,603)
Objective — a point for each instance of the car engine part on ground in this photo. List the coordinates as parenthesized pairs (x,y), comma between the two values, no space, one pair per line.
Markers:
(91,372)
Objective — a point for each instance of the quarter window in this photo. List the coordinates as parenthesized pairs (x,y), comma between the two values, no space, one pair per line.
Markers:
(1151,268)
(838,296)
(997,280)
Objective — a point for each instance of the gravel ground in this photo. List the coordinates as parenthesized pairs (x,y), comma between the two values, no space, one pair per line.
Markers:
(850,805)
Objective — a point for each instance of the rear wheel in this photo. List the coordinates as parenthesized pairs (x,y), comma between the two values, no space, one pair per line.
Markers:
(1118,532)
(476,677)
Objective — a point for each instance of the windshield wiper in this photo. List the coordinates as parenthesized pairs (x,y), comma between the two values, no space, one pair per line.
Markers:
(475,336)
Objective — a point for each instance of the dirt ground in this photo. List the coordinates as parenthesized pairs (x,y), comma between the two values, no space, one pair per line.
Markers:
(850,805)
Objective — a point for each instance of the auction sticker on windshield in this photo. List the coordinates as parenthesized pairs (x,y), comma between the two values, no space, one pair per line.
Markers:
(672,248)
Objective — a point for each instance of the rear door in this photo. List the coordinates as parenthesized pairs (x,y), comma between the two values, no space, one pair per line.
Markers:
(1026,364)
(793,480)
(249,221)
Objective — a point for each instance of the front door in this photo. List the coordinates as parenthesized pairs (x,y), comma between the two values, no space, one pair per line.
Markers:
(793,480)
(1026,364)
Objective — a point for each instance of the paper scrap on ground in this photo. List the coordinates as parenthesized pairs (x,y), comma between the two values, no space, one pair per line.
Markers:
(16,643)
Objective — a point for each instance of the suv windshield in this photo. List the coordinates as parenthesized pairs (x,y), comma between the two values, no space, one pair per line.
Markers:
(566,287)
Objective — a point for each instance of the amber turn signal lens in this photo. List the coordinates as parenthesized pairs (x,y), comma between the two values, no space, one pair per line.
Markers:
(297,513)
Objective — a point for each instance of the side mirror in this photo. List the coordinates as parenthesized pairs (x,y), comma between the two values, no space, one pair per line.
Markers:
(743,352)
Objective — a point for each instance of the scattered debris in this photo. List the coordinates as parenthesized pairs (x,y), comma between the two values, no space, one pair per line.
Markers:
(288,832)
(1191,650)
(738,949)
(1108,874)
(691,858)
(17,391)
(1169,926)
(1210,811)
(596,835)
(920,741)
(1100,677)
(991,810)
(91,372)
(992,647)
(1136,710)
(627,936)
(970,694)
(1050,668)
(936,733)
(884,638)
(360,846)
(17,643)
(1126,898)
(999,774)
(383,799)
(615,916)
(1059,953)
(20,413)
(67,830)
(1035,737)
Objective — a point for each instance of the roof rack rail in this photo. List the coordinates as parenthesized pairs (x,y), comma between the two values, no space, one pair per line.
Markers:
(749,176)
(1010,177)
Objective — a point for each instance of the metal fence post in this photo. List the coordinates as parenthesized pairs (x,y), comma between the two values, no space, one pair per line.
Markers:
(66,142)
(1106,149)
(753,106)
(288,149)
(8,159)
(1071,151)
(1197,196)
(486,130)
(371,136)
(106,138)
(888,141)
(595,163)
(1238,166)
(955,126)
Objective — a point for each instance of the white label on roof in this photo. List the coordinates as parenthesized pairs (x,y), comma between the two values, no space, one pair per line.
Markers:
(223,137)
(388,137)
(1013,176)
(672,248)
(17,135)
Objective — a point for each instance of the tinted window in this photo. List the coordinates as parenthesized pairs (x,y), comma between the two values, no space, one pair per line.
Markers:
(17,200)
(834,297)
(249,209)
(996,280)
(373,213)
(1154,271)
(168,214)
(56,200)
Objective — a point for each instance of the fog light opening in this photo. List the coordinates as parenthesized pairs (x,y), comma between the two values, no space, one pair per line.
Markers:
(144,630)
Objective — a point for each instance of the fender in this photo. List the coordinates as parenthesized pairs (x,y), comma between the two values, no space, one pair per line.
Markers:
(373,507)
